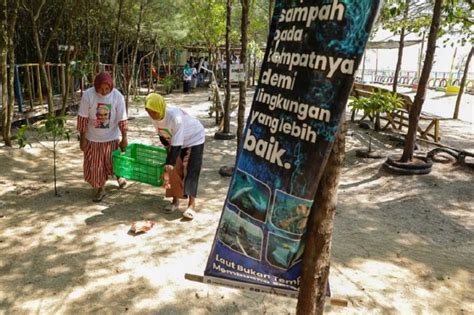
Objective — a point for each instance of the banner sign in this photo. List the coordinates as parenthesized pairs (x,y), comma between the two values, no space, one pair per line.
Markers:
(237,72)
(313,51)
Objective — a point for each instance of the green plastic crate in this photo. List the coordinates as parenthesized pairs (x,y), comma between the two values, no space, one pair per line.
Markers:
(142,163)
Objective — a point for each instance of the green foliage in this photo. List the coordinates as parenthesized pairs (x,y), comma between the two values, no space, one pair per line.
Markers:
(52,128)
(84,69)
(55,127)
(206,22)
(21,136)
(258,22)
(90,27)
(168,83)
(379,102)
(414,16)
(138,98)
(456,19)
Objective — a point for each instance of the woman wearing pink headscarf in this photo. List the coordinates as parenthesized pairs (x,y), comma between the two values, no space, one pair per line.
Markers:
(101,120)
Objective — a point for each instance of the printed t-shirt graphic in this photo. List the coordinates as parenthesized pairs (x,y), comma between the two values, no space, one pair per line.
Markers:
(103,115)
(90,103)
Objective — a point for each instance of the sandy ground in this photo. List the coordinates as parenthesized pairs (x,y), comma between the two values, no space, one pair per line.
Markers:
(401,245)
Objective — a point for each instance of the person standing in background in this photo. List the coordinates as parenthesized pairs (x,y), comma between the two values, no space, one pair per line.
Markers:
(187,77)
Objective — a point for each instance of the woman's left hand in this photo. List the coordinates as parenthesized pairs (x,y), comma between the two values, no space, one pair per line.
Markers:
(169,168)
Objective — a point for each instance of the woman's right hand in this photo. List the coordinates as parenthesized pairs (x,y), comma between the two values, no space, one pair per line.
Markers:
(166,180)
(83,144)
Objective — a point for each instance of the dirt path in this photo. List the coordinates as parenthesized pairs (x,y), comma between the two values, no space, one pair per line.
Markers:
(402,245)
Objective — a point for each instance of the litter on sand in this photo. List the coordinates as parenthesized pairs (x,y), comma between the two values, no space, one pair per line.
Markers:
(140,227)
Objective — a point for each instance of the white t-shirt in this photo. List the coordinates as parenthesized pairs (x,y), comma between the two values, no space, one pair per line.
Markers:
(180,129)
(104,113)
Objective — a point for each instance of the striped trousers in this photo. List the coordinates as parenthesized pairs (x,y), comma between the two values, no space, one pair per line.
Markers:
(98,162)
(98,155)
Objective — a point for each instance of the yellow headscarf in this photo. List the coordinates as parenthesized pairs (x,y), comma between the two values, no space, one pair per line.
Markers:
(156,103)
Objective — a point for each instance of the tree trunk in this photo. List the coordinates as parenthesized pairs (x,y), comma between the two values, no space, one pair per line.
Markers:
(317,254)
(115,42)
(124,71)
(134,52)
(415,110)
(42,66)
(254,71)
(126,75)
(49,92)
(3,63)
(399,60)
(168,66)
(363,67)
(270,12)
(98,49)
(68,82)
(42,53)
(227,53)
(420,56)
(88,29)
(65,91)
(400,49)
(152,61)
(141,66)
(463,83)
(54,167)
(243,60)
(11,74)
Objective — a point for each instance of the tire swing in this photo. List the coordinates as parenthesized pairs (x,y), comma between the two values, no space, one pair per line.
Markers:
(420,165)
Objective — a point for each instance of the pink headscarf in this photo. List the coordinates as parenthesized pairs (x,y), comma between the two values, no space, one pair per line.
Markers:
(101,78)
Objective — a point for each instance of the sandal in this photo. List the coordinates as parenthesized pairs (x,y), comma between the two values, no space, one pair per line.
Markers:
(121,182)
(171,208)
(100,194)
(189,214)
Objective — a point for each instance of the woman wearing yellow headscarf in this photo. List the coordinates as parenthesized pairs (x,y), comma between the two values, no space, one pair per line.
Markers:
(184,137)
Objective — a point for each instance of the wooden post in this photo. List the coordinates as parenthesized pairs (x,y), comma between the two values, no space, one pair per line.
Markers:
(50,80)
(436,135)
(63,79)
(29,85)
(38,82)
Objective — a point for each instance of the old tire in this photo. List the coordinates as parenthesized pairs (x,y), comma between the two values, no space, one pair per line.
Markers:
(224,135)
(226,171)
(418,163)
(419,166)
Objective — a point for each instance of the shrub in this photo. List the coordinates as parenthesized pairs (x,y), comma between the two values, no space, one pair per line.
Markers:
(379,102)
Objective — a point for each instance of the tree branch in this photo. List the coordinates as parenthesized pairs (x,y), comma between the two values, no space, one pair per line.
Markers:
(36,16)
(54,32)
